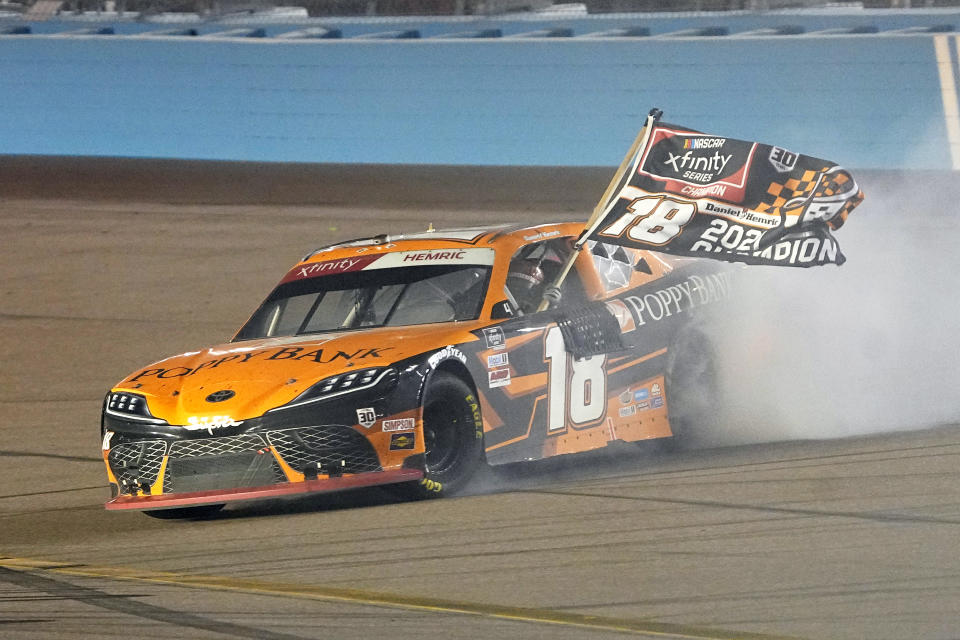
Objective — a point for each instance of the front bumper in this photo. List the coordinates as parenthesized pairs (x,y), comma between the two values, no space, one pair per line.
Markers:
(155,470)
(323,485)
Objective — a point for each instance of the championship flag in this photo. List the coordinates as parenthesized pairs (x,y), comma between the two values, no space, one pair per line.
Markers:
(694,194)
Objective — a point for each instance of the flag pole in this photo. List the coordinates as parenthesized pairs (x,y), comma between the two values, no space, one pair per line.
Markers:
(552,292)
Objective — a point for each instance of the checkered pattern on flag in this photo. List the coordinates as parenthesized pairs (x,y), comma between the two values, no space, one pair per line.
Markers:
(694,194)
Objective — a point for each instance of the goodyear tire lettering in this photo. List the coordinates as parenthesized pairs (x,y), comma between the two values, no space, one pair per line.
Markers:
(431,485)
(477,420)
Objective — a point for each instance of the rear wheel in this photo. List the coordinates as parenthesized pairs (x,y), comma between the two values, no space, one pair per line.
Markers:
(693,387)
(453,438)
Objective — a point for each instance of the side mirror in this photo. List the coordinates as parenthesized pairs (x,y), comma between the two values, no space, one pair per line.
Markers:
(502,310)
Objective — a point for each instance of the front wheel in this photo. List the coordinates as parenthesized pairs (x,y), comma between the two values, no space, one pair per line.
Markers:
(453,437)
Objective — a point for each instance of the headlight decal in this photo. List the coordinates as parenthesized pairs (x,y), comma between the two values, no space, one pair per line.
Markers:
(130,406)
(342,384)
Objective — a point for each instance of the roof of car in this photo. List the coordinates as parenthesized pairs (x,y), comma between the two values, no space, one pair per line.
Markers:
(481,236)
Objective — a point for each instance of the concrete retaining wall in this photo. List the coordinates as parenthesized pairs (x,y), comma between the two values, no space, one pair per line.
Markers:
(865,101)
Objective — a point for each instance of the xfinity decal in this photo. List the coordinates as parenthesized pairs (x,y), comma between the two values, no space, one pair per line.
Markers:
(703,164)
(329,267)
(494,337)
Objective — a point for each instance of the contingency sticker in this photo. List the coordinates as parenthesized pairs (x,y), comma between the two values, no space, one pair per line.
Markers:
(402,441)
(498,378)
(494,337)
(498,360)
(366,417)
(400,424)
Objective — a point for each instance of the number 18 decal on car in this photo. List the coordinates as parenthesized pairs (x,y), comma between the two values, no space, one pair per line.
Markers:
(577,387)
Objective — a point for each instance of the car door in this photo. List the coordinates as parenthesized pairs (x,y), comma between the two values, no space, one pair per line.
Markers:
(539,398)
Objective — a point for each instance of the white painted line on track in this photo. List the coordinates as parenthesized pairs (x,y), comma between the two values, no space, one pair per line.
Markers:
(948,92)
(642,627)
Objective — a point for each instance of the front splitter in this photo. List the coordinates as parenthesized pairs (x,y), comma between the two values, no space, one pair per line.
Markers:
(321,485)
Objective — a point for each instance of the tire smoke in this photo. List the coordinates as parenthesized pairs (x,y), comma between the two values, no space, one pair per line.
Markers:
(868,347)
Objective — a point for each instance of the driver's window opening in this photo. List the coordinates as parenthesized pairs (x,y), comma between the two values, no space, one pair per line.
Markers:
(534,268)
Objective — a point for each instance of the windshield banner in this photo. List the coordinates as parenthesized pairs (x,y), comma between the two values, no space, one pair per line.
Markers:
(695,194)
(365,260)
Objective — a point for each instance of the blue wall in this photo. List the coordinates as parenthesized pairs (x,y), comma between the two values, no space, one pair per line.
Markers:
(865,101)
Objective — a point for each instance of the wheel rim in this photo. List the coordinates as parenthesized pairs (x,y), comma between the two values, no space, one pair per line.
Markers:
(441,437)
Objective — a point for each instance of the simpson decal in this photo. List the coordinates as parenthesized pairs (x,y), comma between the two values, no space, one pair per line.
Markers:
(400,424)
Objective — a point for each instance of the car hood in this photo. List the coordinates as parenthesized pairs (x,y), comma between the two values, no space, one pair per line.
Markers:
(267,373)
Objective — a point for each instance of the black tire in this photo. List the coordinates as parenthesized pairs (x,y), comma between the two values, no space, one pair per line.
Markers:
(453,438)
(693,388)
(184,513)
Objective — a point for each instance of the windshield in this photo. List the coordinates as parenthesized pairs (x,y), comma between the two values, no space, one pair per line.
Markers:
(375,298)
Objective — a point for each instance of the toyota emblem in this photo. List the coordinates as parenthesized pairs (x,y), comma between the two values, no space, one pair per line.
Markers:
(220,396)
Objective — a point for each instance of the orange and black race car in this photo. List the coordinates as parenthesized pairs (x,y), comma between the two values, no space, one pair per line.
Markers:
(412,360)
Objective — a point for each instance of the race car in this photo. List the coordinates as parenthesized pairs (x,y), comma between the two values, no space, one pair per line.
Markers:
(412,361)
